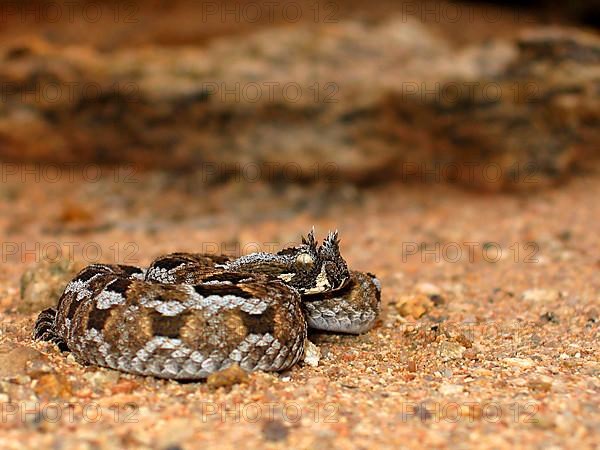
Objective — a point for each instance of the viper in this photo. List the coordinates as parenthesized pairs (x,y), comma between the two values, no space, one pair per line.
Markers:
(189,315)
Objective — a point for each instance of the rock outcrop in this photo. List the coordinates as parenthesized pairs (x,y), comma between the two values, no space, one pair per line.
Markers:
(361,102)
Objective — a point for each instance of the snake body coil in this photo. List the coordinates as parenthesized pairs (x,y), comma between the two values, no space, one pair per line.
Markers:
(189,315)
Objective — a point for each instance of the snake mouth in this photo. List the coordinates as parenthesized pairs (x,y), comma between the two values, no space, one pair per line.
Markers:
(342,284)
(312,294)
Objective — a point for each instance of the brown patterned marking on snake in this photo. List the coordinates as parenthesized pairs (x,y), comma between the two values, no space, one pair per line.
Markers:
(72,309)
(222,289)
(168,326)
(98,318)
(132,328)
(259,324)
(86,274)
(119,286)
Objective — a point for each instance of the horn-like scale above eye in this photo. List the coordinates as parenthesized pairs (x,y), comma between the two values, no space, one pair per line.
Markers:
(304,259)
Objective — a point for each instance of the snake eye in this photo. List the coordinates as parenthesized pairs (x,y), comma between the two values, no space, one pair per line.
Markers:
(304,259)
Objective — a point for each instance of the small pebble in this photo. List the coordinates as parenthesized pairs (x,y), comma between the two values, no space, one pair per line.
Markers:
(43,284)
(549,317)
(470,354)
(227,377)
(124,387)
(447,373)
(464,341)
(450,389)
(37,367)
(101,378)
(14,359)
(312,354)
(428,289)
(275,431)
(53,385)
(540,384)
(541,295)
(412,365)
(451,350)
(519,362)
(415,306)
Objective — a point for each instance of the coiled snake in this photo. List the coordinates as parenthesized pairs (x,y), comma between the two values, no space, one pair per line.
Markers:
(189,315)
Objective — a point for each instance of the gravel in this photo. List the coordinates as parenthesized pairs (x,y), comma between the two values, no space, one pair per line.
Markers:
(480,369)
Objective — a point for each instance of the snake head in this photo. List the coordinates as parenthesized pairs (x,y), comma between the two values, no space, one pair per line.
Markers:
(333,267)
(316,270)
(330,272)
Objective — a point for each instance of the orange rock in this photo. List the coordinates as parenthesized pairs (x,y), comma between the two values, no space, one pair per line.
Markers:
(227,377)
(124,387)
(415,306)
(53,385)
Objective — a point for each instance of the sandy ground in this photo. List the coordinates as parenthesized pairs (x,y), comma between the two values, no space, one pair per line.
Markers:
(488,333)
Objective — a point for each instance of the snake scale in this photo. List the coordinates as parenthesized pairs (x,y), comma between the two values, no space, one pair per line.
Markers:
(189,315)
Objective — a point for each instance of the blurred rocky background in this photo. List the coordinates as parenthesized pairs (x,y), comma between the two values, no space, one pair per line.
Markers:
(491,95)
